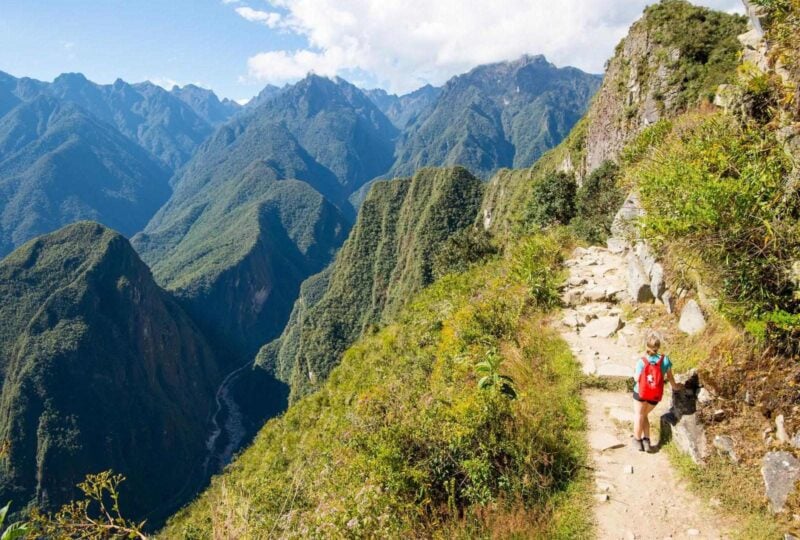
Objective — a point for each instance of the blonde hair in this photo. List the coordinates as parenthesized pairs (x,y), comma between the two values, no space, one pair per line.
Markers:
(653,343)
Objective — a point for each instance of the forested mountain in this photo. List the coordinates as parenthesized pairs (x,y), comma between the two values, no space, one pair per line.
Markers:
(206,104)
(405,109)
(59,164)
(159,122)
(101,369)
(387,258)
(497,115)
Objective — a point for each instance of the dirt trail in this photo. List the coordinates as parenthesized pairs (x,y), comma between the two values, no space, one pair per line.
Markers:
(637,495)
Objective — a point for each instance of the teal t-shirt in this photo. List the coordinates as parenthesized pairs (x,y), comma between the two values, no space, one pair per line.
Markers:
(666,365)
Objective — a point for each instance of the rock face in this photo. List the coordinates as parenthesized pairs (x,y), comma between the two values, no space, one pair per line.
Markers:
(780,471)
(639,87)
(692,320)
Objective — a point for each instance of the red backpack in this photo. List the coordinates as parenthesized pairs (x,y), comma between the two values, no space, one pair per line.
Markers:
(651,380)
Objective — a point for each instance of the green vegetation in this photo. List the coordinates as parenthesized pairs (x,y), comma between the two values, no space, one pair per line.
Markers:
(463,249)
(596,203)
(95,517)
(237,246)
(401,440)
(16,530)
(705,40)
(714,191)
(553,201)
(389,256)
(58,165)
(101,369)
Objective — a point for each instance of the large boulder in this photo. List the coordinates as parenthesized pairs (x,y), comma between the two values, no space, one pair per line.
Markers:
(638,282)
(692,320)
(603,327)
(780,471)
(658,286)
(624,225)
(689,435)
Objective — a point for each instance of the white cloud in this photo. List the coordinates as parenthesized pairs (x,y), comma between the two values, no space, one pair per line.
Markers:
(164,82)
(230,1)
(402,44)
(269,18)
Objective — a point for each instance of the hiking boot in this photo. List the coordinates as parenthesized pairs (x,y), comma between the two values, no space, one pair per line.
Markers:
(637,444)
(646,445)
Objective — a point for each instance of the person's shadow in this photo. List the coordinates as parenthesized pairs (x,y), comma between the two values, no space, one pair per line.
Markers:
(684,402)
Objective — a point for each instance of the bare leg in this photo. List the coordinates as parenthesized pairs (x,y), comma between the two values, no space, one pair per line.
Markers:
(639,416)
(646,409)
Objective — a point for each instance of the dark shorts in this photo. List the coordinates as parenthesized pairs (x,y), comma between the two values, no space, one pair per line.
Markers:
(637,398)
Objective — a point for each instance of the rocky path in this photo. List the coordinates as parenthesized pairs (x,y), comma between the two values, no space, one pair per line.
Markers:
(637,495)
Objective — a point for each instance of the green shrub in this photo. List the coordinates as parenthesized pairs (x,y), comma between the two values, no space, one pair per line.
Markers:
(462,250)
(596,204)
(717,189)
(553,199)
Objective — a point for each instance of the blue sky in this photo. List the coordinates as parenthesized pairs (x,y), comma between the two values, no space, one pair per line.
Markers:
(236,47)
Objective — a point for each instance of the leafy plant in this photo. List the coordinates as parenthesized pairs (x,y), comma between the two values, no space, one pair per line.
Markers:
(488,370)
(16,530)
(96,517)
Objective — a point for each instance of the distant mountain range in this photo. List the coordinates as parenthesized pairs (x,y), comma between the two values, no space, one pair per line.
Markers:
(232,209)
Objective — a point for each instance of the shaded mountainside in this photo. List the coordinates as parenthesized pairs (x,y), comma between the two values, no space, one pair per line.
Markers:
(238,251)
(101,369)
(672,59)
(158,121)
(404,110)
(58,165)
(386,259)
(498,115)
(206,104)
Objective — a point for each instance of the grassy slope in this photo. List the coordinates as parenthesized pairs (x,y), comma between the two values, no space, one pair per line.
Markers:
(401,441)
(386,259)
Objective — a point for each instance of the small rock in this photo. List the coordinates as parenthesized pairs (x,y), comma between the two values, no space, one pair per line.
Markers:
(796,440)
(603,327)
(692,320)
(601,497)
(657,284)
(780,429)
(595,294)
(725,447)
(576,281)
(714,502)
(718,415)
(788,536)
(616,245)
(693,532)
(780,471)
(628,469)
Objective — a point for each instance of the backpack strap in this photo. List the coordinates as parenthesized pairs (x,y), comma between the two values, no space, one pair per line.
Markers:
(660,360)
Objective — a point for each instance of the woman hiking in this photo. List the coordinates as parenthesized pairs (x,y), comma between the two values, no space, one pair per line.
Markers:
(649,374)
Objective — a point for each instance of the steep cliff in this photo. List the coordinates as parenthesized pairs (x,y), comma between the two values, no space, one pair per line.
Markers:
(386,259)
(101,369)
